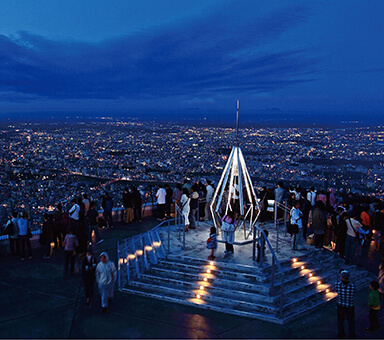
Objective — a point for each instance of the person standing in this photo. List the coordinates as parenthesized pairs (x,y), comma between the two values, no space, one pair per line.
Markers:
(107,205)
(12,230)
(374,306)
(208,199)
(297,239)
(70,245)
(88,275)
(24,230)
(58,226)
(311,197)
(212,243)
(168,200)
(137,204)
(345,305)
(161,200)
(128,205)
(74,215)
(92,219)
(46,235)
(319,223)
(279,192)
(228,224)
(354,229)
(194,206)
(86,203)
(106,276)
(185,207)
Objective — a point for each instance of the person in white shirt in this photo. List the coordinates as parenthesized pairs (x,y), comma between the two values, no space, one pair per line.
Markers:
(296,215)
(161,200)
(106,276)
(185,207)
(208,199)
(74,215)
(354,231)
(311,196)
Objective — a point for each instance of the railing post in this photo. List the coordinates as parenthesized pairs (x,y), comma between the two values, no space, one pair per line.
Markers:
(169,236)
(254,244)
(277,229)
(272,277)
(183,224)
(281,296)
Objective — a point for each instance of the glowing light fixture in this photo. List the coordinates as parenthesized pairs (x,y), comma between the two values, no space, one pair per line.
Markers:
(205,279)
(294,260)
(302,267)
(148,248)
(208,271)
(201,287)
(139,252)
(211,263)
(327,290)
(310,275)
(198,296)
(318,282)
(131,257)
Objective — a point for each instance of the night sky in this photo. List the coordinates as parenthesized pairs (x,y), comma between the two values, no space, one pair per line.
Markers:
(192,57)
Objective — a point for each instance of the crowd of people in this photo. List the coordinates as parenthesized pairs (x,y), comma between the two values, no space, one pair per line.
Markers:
(345,223)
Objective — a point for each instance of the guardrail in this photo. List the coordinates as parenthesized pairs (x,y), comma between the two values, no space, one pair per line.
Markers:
(137,253)
(275,262)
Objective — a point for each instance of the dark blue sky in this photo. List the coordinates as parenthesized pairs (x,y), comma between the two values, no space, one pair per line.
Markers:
(192,57)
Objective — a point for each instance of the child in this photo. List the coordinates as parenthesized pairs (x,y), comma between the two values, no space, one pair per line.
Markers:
(374,306)
(228,231)
(212,243)
(261,246)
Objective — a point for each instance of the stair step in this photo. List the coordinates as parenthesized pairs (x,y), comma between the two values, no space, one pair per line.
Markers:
(205,305)
(220,282)
(220,291)
(214,270)
(205,296)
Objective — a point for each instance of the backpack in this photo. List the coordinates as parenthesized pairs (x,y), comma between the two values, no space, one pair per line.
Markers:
(9,229)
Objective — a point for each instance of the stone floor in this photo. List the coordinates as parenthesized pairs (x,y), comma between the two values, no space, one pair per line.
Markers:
(37,302)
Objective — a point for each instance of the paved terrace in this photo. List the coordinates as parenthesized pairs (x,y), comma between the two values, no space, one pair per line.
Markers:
(37,302)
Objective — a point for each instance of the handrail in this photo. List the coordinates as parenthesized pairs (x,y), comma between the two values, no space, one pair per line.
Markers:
(276,262)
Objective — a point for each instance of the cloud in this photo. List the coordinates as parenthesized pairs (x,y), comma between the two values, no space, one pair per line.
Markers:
(200,58)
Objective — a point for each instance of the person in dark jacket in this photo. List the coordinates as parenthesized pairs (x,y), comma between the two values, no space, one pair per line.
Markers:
(58,226)
(107,205)
(168,200)
(194,205)
(46,235)
(319,223)
(137,203)
(88,275)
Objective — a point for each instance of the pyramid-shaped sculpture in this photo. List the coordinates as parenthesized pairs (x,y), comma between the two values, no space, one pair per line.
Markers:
(235,192)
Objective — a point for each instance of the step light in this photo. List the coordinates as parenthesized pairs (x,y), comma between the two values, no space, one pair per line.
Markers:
(198,296)
(201,287)
(156,244)
(205,279)
(318,282)
(208,271)
(131,257)
(310,275)
(139,252)
(302,267)
(148,248)
(327,290)
(294,260)
(211,263)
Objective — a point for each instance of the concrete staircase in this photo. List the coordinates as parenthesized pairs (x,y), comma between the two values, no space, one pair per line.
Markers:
(248,291)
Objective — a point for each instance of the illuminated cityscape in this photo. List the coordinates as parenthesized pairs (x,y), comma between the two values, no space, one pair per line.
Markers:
(47,163)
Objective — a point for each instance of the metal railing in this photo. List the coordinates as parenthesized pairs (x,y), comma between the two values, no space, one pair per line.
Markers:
(275,263)
(136,254)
